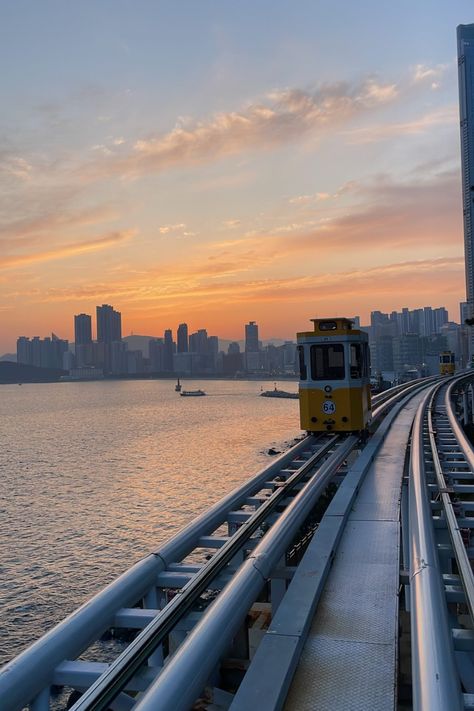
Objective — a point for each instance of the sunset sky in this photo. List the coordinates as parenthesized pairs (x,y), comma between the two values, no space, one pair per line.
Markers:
(218,162)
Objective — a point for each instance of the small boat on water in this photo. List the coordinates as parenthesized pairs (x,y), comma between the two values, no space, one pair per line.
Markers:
(279,393)
(192,393)
(177,387)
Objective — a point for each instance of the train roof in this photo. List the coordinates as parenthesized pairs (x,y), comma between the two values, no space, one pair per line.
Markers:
(337,326)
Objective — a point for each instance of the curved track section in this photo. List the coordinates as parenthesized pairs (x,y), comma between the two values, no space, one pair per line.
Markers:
(441,502)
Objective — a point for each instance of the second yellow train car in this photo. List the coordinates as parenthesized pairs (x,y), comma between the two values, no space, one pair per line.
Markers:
(447,364)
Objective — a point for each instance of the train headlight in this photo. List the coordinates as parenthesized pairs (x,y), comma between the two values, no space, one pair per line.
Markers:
(327,389)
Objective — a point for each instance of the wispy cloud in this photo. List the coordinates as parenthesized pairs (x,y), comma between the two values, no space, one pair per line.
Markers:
(76,248)
(54,220)
(283,116)
(166,229)
(444,116)
(17,167)
(231,224)
(422,73)
(321,196)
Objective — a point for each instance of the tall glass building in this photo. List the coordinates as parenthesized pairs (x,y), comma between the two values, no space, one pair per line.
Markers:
(465,34)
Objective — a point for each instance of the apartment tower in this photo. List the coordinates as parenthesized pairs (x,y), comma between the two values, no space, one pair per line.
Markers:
(465,36)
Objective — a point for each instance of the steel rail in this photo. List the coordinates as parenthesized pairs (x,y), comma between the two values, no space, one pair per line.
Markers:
(200,652)
(460,552)
(385,395)
(31,671)
(261,685)
(104,690)
(463,441)
(399,392)
(435,680)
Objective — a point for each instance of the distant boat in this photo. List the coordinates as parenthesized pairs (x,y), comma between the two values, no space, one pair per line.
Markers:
(192,393)
(177,387)
(279,393)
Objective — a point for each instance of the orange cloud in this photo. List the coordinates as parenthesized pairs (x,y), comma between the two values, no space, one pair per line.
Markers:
(11,233)
(70,250)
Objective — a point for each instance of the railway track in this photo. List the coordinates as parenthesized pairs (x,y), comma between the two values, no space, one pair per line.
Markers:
(441,505)
(236,547)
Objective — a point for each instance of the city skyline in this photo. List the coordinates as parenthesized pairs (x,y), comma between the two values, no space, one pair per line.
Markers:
(403,341)
(228,163)
(245,328)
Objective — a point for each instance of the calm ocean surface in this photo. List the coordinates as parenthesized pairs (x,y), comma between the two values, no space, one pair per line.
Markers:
(96,475)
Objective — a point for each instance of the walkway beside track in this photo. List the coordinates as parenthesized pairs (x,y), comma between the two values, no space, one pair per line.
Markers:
(349,658)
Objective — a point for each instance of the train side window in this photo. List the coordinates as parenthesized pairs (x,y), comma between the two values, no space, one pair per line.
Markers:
(356,360)
(327,362)
(366,370)
(303,372)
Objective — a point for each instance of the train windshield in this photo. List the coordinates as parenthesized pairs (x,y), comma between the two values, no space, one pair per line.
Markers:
(447,359)
(327,362)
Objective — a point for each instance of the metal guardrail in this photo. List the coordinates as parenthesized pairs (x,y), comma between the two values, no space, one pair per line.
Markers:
(463,563)
(100,694)
(30,672)
(458,431)
(199,654)
(435,679)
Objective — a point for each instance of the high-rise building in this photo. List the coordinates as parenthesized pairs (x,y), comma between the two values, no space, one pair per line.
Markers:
(118,357)
(212,351)
(168,350)
(109,330)
(42,352)
(465,35)
(23,351)
(155,351)
(109,324)
(82,329)
(201,342)
(252,355)
(251,337)
(377,318)
(440,317)
(182,338)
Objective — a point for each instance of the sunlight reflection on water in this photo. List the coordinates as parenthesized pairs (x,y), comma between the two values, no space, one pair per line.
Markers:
(97,475)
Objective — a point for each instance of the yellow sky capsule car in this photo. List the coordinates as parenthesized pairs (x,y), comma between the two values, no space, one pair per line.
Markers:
(334,377)
(446,363)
